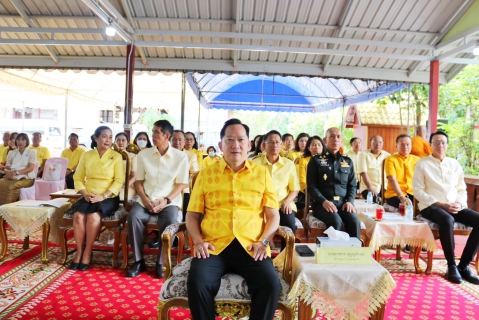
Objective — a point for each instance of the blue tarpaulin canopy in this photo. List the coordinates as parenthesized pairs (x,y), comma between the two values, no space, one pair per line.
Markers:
(284,94)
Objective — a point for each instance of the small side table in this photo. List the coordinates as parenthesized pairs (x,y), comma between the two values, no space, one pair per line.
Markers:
(26,220)
(340,290)
(67,193)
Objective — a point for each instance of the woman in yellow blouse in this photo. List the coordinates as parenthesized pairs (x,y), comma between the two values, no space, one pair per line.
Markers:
(314,145)
(122,141)
(211,158)
(98,178)
(299,147)
(191,145)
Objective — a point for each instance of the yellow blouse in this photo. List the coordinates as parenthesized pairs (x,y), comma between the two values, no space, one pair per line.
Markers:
(303,165)
(97,174)
(209,161)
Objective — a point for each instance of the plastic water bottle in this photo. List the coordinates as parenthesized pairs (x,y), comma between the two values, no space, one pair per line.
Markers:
(409,213)
(369,198)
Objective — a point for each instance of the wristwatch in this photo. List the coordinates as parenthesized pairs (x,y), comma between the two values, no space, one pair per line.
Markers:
(168,201)
(265,242)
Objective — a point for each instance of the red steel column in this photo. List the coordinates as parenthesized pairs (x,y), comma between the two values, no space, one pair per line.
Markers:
(130,69)
(433,95)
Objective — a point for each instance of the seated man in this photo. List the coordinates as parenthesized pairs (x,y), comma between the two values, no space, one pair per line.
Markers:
(4,147)
(162,173)
(285,178)
(420,146)
(370,167)
(399,170)
(238,204)
(440,189)
(354,153)
(43,154)
(331,183)
(73,154)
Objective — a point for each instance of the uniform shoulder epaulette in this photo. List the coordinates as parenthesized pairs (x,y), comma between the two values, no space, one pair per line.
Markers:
(346,156)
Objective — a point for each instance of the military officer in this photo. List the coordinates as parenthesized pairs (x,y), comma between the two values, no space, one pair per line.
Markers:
(331,182)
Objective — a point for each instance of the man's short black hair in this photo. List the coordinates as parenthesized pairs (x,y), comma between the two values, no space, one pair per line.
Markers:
(270,133)
(283,138)
(73,135)
(179,131)
(438,132)
(165,126)
(403,136)
(232,122)
(353,139)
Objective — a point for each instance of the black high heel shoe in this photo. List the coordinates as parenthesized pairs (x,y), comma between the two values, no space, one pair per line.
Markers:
(84,266)
(74,265)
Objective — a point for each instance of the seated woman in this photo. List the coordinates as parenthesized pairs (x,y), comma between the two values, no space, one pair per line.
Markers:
(122,141)
(259,149)
(103,170)
(18,171)
(314,146)
(299,147)
(11,144)
(211,158)
(191,145)
(142,140)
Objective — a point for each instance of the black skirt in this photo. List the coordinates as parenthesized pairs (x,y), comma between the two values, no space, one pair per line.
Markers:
(106,207)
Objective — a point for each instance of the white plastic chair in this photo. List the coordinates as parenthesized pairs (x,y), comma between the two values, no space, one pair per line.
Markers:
(43,188)
(29,193)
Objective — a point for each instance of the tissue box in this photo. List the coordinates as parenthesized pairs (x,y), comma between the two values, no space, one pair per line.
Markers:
(325,242)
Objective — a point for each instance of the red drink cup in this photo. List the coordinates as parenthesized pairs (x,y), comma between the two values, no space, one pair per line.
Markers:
(402,209)
(379,213)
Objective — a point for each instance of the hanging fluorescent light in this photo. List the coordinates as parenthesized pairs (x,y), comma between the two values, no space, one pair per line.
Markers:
(110,31)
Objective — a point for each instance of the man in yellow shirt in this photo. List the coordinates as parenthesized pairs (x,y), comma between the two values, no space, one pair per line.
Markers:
(354,153)
(43,154)
(399,170)
(73,154)
(420,146)
(238,203)
(4,147)
(285,178)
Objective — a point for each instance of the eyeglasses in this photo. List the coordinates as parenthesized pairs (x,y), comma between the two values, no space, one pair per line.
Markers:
(274,142)
(439,143)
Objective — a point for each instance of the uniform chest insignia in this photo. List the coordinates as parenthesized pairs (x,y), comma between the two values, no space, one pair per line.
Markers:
(323,163)
(325,177)
(344,164)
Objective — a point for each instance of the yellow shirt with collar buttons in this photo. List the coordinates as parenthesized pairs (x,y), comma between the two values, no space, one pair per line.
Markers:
(302,166)
(43,153)
(284,177)
(403,169)
(3,153)
(73,157)
(98,175)
(233,204)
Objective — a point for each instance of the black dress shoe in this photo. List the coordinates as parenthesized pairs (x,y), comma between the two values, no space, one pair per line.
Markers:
(136,268)
(159,271)
(467,275)
(155,243)
(85,266)
(453,275)
(74,265)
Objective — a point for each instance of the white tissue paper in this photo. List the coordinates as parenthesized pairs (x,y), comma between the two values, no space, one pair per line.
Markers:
(336,235)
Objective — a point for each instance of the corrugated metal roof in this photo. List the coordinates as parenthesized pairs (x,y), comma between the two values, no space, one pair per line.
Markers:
(375,39)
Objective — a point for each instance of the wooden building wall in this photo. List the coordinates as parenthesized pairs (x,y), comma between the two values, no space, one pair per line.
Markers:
(388,133)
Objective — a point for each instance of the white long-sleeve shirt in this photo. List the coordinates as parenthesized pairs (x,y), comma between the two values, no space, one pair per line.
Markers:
(439,181)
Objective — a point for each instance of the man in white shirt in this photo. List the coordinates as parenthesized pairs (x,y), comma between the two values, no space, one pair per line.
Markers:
(162,173)
(370,164)
(439,187)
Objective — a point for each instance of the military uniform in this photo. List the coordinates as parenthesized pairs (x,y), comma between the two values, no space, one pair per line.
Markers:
(334,180)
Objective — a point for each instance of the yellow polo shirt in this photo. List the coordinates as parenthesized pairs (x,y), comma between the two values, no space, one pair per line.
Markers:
(72,156)
(303,165)
(403,169)
(209,161)
(233,203)
(42,153)
(284,176)
(3,153)
(98,175)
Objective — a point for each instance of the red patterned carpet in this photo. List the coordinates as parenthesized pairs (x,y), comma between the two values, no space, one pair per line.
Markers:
(30,290)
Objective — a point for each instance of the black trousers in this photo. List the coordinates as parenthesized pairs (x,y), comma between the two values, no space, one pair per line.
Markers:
(287,220)
(69,181)
(204,280)
(394,201)
(445,220)
(365,192)
(186,201)
(340,219)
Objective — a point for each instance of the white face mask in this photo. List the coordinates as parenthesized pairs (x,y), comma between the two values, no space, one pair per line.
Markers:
(141,143)
(212,154)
